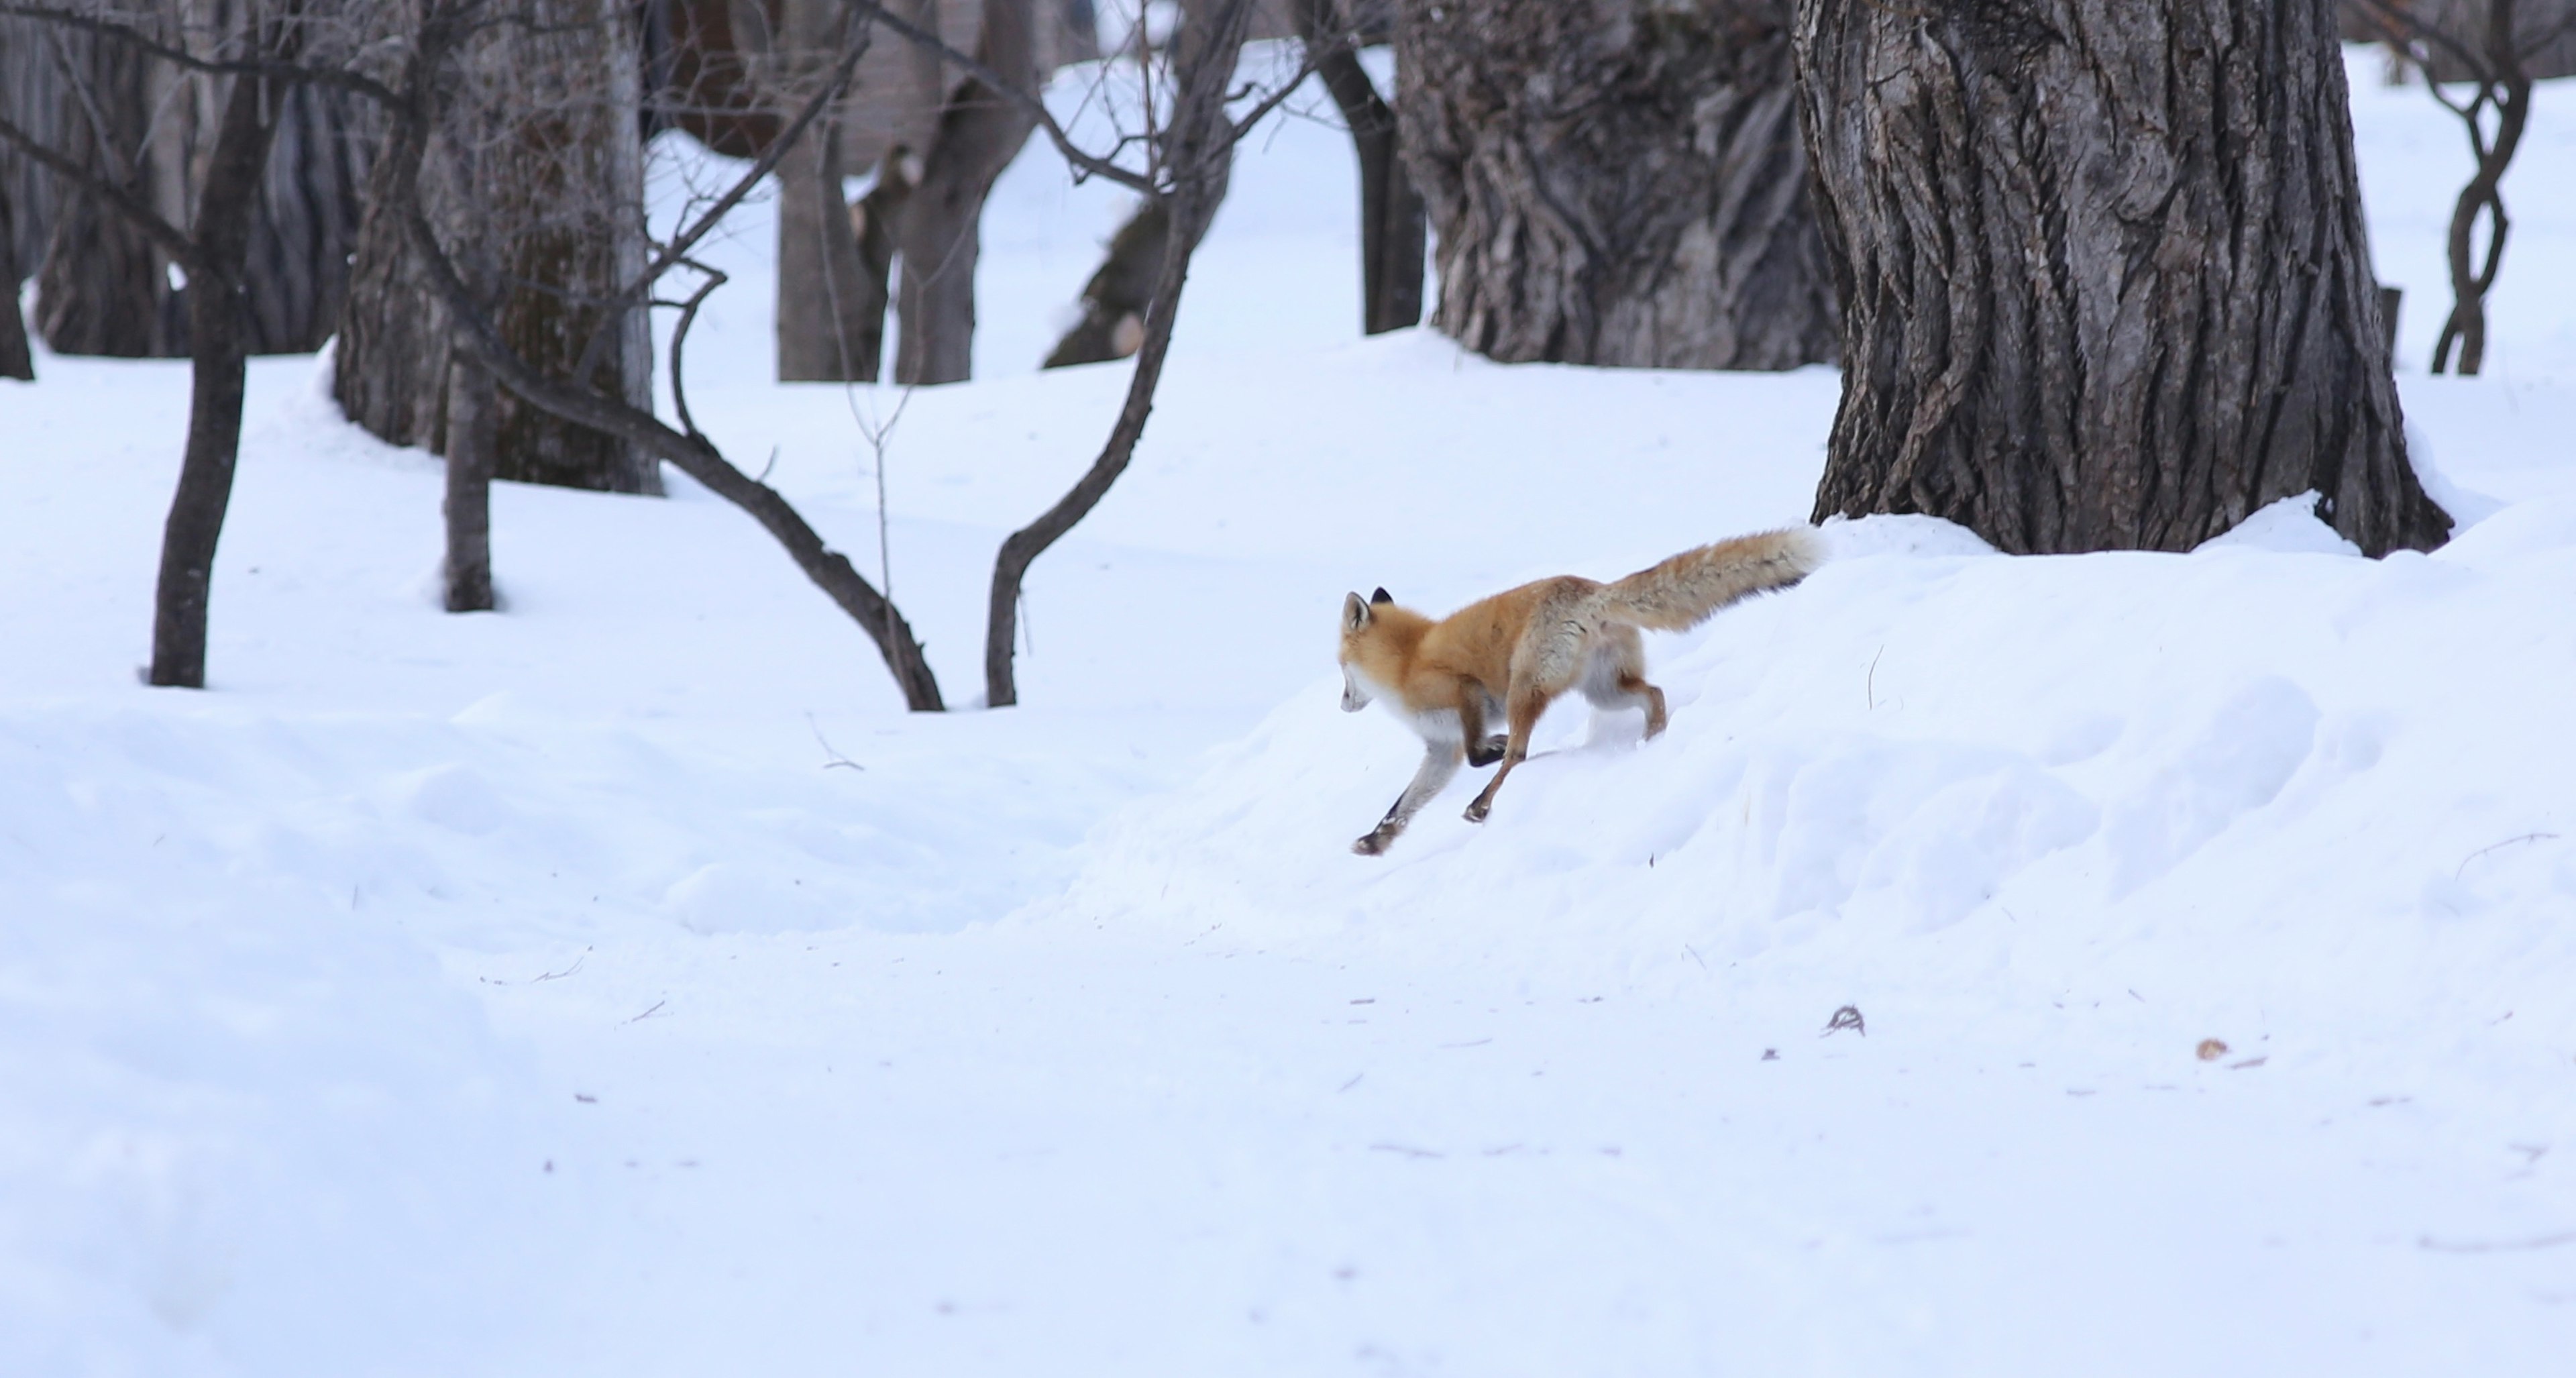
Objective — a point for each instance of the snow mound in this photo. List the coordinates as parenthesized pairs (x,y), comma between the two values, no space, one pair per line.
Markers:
(2250,789)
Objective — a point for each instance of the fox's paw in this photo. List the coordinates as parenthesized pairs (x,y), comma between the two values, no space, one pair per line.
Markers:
(1476,811)
(1488,751)
(1372,843)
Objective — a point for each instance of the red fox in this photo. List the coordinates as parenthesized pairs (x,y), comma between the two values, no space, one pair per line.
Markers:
(1516,652)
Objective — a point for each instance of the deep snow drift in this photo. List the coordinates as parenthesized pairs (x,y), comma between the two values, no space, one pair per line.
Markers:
(624,984)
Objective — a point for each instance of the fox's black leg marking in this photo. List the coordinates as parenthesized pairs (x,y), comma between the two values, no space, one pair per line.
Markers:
(1488,751)
(1439,764)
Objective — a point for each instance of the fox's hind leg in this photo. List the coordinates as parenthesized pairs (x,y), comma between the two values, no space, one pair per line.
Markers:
(1522,710)
(1439,766)
(1616,678)
(1473,702)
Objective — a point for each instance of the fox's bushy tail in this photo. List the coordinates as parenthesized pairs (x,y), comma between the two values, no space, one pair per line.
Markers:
(1683,591)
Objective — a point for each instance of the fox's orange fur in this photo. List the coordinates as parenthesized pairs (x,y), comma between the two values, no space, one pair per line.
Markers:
(1514,653)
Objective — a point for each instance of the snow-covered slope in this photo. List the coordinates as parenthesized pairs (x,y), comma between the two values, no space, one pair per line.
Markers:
(624,985)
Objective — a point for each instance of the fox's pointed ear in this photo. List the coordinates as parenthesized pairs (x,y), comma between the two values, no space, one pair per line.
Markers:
(1381,596)
(1355,614)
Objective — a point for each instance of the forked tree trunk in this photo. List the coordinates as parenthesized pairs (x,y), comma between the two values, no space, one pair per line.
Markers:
(2104,278)
(941,230)
(1615,182)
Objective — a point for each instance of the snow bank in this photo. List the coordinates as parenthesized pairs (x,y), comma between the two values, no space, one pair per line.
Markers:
(2303,786)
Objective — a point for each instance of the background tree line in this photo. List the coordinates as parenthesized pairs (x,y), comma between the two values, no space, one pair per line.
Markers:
(2094,272)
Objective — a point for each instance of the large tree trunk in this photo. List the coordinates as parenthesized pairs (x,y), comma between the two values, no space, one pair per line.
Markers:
(940,233)
(107,289)
(1392,223)
(829,322)
(307,222)
(2104,277)
(104,288)
(1615,182)
(543,173)
(219,324)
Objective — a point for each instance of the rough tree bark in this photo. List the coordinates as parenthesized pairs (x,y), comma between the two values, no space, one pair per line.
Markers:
(940,232)
(152,125)
(1392,223)
(473,435)
(1615,182)
(554,196)
(2104,277)
(417,111)
(104,287)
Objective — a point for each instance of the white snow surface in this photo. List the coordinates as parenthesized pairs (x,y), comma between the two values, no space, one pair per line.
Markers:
(624,984)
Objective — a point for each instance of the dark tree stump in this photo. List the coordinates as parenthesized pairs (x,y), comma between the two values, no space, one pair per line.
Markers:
(1617,182)
(2103,272)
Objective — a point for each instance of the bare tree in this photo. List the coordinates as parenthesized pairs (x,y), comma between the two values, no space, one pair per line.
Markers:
(212,249)
(1190,156)
(2492,46)
(1114,300)
(1619,182)
(2103,272)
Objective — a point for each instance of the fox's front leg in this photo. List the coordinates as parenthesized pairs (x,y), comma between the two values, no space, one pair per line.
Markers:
(1439,764)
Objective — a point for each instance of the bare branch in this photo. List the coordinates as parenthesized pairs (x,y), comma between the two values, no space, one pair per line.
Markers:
(169,238)
(1085,164)
(300,72)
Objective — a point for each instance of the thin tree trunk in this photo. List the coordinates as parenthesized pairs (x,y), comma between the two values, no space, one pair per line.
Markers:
(400,201)
(1392,224)
(872,224)
(940,233)
(218,326)
(16,358)
(2103,272)
(1619,182)
(1199,147)
(473,432)
(2506,84)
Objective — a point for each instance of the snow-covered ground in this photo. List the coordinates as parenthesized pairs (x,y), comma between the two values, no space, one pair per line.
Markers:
(624,984)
